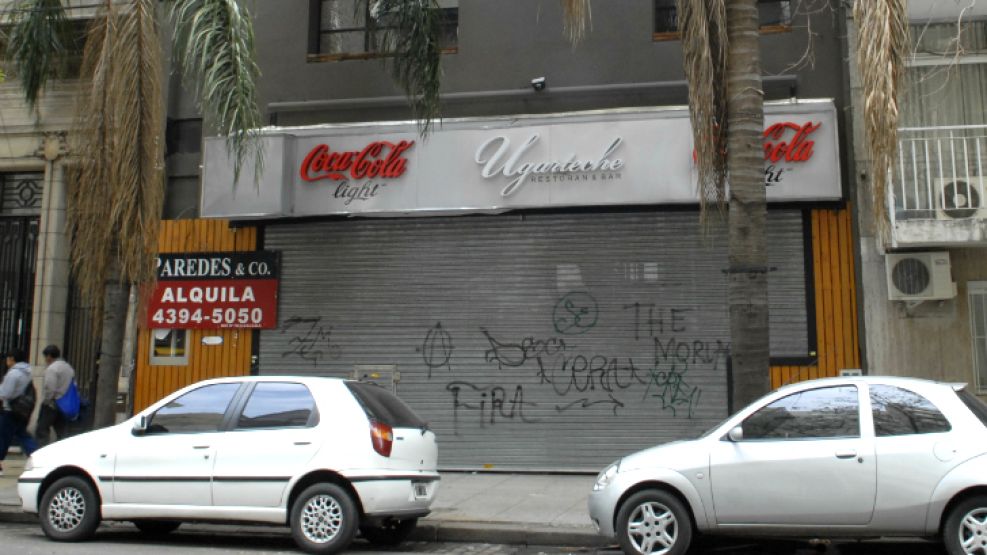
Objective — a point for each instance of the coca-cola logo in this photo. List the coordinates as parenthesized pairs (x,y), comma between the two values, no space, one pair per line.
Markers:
(788,142)
(380,159)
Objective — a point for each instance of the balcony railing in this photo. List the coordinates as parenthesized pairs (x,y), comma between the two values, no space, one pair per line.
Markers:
(940,173)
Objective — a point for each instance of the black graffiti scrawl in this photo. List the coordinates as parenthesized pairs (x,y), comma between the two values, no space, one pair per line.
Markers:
(565,377)
(310,341)
(436,349)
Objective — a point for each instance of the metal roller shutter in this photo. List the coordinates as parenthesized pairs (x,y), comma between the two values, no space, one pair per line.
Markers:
(530,341)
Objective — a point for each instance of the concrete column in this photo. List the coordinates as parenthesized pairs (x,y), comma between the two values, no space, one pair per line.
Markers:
(51,277)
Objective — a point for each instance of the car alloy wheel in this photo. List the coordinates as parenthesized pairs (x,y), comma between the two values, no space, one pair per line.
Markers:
(66,510)
(654,522)
(965,531)
(69,510)
(323,519)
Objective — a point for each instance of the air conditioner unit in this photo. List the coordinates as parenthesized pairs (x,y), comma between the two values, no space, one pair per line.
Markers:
(960,198)
(919,276)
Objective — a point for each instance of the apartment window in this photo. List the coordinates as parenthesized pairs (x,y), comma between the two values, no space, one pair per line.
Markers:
(169,347)
(775,16)
(977,291)
(947,76)
(353,30)
(943,127)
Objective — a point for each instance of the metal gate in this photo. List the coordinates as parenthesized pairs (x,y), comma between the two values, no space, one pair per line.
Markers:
(529,341)
(81,345)
(18,250)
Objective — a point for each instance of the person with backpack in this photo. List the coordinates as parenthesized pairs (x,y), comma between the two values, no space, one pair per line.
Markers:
(17,394)
(58,380)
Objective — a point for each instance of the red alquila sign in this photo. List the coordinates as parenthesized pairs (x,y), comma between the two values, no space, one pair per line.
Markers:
(215,290)
(379,159)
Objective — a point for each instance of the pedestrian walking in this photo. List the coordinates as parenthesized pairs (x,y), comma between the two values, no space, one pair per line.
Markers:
(58,378)
(17,397)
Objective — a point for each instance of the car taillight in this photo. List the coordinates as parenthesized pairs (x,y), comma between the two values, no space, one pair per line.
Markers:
(382,436)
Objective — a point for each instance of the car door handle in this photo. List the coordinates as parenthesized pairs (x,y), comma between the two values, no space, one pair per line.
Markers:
(303,443)
(200,447)
(849,454)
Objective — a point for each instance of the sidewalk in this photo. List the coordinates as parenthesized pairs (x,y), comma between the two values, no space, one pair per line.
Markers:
(531,509)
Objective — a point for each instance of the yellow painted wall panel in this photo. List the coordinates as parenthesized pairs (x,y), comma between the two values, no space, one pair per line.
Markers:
(232,357)
(837,344)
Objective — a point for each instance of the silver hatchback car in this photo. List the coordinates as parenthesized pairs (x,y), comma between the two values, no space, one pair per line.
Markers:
(839,457)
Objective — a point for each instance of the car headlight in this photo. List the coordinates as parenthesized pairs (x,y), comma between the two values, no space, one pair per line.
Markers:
(606,476)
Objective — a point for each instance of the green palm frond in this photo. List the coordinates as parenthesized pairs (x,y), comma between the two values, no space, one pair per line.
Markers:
(214,44)
(37,43)
(703,25)
(409,32)
(117,195)
(576,17)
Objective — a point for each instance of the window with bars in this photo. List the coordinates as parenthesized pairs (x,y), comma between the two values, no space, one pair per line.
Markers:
(344,29)
(774,16)
(977,292)
(20,194)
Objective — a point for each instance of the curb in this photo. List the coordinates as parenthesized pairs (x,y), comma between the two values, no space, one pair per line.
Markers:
(516,533)
(14,515)
(511,533)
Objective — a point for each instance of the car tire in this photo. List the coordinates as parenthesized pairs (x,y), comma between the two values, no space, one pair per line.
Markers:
(69,510)
(157,527)
(389,533)
(966,523)
(654,522)
(323,519)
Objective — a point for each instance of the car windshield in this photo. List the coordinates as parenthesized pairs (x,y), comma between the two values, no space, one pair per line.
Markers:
(976,406)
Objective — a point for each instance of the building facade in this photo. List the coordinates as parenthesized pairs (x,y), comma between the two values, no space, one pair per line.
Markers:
(532,276)
(924,278)
(37,301)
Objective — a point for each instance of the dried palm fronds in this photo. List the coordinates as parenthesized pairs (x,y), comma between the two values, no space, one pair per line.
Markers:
(116,196)
(37,43)
(409,34)
(882,45)
(703,26)
(577,16)
(214,44)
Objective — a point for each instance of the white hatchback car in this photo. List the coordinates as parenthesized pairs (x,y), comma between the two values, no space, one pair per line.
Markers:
(324,456)
(840,457)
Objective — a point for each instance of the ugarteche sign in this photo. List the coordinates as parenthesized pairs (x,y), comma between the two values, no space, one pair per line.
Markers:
(615,157)
(215,290)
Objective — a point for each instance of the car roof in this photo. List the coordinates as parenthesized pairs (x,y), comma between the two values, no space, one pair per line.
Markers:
(873,379)
(278,378)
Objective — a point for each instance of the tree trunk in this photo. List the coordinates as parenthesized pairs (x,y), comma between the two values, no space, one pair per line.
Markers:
(115,305)
(748,278)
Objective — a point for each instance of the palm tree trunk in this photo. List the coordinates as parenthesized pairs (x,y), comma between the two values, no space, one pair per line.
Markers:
(115,305)
(748,278)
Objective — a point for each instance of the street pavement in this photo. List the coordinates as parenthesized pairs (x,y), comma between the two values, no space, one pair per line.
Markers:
(473,514)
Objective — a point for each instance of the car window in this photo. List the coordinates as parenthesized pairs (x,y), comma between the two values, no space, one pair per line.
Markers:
(381,405)
(899,412)
(199,410)
(815,413)
(277,405)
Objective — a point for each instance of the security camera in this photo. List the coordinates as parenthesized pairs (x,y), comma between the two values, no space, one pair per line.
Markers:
(538,83)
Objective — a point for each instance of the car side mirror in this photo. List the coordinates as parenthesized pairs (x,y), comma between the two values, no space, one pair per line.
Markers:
(140,426)
(736,434)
